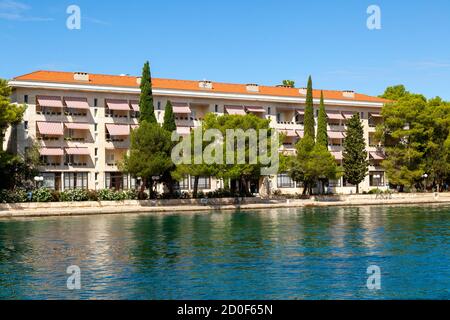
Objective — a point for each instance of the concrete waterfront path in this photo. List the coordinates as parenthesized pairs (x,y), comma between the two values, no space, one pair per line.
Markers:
(200,205)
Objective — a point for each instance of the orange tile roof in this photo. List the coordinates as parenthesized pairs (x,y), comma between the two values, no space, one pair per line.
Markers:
(158,83)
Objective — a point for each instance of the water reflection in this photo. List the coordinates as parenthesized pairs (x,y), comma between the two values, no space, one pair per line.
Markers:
(281,254)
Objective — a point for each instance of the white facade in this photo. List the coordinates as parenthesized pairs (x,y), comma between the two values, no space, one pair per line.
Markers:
(85,153)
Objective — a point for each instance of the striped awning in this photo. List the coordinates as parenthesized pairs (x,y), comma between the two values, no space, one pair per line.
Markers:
(348,114)
(289,133)
(255,109)
(50,128)
(51,152)
(337,155)
(114,104)
(181,109)
(49,101)
(76,103)
(78,151)
(183,131)
(335,116)
(77,126)
(300,133)
(377,156)
(118,129)
(236,110)
(134,105)
(335,135)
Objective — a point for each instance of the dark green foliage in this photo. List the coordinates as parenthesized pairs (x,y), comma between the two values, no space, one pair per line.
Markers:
(309,112)
(322,135)
(355,160)
(146,107)
(169,118)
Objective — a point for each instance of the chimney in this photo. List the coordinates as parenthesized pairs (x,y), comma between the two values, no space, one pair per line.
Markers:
(205,84)
(303,91)
(138,81)
(252,87)
(81,76)
(348,94)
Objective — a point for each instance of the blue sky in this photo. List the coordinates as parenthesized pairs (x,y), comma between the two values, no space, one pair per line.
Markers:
(249,41)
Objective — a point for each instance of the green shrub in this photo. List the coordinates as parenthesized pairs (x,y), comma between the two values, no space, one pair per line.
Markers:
(42,195)
(112,195)
(74,195)
(13,196)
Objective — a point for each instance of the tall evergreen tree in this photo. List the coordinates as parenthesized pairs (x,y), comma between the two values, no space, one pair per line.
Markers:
(322,135)
(169,118)
(309,112)
(355,155)
(146,106)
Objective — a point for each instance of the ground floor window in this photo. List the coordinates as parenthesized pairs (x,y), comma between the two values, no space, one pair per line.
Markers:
(335,183)
(376,178)
(75,180)
(285,181)
(116,180)
(203,183)
(51,180)
(184,184)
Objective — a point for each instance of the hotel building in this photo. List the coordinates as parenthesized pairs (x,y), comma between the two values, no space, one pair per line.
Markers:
(82,123)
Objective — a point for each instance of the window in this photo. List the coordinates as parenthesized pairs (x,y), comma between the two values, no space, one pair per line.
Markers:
(216,108)
(25,125)
(110,158)
(96,152)
(203,183)
(95,102)
(25,98)
(116,180)
(96,176)
(95,127)
(49,180)
(376,178)
(76,180)
(159,105)
(284,181)
(95,112)
(184,184)
(268,110)
(362,115)
(278,117)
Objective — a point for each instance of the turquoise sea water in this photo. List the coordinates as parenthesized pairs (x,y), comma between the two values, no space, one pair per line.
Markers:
(308,253)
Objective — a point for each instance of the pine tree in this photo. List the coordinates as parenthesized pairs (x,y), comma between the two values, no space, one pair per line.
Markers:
(322,135)
(146,100)
(309,111)
(355,155)
(169,118)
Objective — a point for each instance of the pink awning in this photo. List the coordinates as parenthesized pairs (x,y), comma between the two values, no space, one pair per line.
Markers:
(301,112)
(183,131)
(181,109)
(335,135)
(118,129)
(49,101)
(335,116)
(236,110)
(50,128)
(300,133)
(134,126)
(375,115)
(348,114)
(78,151)
(76,103)
(289,133)
(377,156)
(256,109)
(77,126)
(337,155)
(117,104)
(134,105)
(51,152)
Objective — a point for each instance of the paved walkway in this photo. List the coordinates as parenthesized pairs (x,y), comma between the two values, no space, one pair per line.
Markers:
(136,209)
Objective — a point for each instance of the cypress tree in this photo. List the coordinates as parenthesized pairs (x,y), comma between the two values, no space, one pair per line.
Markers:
(322,135)
(169,118)
(146,99)
(355,160)
(309,112)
